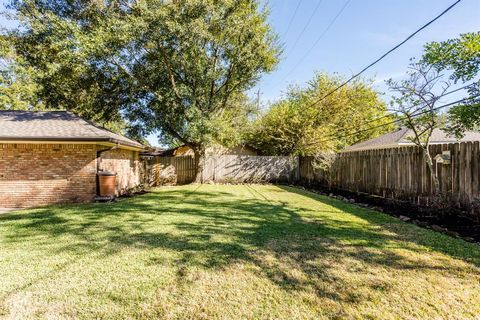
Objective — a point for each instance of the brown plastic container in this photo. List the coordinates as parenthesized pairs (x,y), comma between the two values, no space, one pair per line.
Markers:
(106,183)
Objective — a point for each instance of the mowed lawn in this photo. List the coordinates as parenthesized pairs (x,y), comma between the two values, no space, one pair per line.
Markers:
(230,252)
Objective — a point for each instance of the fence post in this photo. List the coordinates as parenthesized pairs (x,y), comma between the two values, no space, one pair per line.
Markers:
(297,169)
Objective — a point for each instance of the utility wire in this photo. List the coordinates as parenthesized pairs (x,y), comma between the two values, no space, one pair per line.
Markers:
(307,24)
(293,18)
(396,120)
(386,53)
(316,41)
(390,115)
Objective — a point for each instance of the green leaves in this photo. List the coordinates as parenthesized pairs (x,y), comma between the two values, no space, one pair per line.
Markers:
(168,66)
(464,118)
(297,125)
(17,90)
(203,53)
(461,56)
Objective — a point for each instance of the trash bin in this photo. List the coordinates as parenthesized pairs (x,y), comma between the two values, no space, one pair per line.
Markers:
(106,183)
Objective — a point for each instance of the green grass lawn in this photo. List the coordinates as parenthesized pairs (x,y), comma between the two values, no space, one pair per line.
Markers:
(230,252)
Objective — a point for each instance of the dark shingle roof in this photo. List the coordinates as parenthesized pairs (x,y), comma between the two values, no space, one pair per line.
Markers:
(55,126)
(401,137)
(154,151)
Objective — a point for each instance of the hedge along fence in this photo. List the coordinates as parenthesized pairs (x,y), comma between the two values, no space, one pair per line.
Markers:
(223,168)
(402,173)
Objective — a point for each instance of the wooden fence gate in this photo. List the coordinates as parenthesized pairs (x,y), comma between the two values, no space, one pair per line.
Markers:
(169,170)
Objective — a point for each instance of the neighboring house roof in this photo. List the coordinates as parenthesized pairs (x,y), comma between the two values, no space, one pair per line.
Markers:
(155,152)
(402,136)
(216,149)
(55,126)
(158,152)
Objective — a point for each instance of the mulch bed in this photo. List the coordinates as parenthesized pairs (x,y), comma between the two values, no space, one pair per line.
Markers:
(453,222)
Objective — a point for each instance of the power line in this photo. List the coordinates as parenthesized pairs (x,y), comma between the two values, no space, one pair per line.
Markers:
(307,24)
(317,40)
(386,53)
(390,115)
(394,121)
(293,17)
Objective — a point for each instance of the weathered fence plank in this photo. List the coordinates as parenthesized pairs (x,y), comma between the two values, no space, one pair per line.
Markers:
(241,168)
(169,170)
(224,168)
(402,173)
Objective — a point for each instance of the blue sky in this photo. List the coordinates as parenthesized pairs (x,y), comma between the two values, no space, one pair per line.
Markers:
(363,31)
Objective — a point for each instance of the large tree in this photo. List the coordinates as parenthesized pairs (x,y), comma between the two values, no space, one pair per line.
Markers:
(302,123)
(18,90)
(461,56)
(168,66)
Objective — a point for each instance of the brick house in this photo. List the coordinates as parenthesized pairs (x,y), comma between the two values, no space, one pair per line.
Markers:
(53,157)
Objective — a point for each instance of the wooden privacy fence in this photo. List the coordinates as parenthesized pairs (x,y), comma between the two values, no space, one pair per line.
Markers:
(224,168)
(169,170)
(239,168)
(402,173)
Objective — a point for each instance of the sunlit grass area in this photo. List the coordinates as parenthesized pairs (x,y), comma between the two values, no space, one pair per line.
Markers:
(230,252)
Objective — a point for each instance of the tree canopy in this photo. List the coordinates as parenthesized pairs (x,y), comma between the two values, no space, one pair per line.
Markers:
(170,66)
(296,125)
(462,57)
(18,91)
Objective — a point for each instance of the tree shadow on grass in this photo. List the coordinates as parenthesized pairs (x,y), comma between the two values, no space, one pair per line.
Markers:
(404,232)
(286,243)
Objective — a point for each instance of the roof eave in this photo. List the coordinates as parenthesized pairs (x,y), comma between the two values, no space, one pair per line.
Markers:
(113,141)
(366,148)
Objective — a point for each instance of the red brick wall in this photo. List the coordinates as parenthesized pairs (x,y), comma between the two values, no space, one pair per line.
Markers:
(40,174)
(127,166)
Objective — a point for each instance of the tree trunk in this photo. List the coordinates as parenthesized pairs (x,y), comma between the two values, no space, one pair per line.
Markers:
(433,173)
(199,164)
